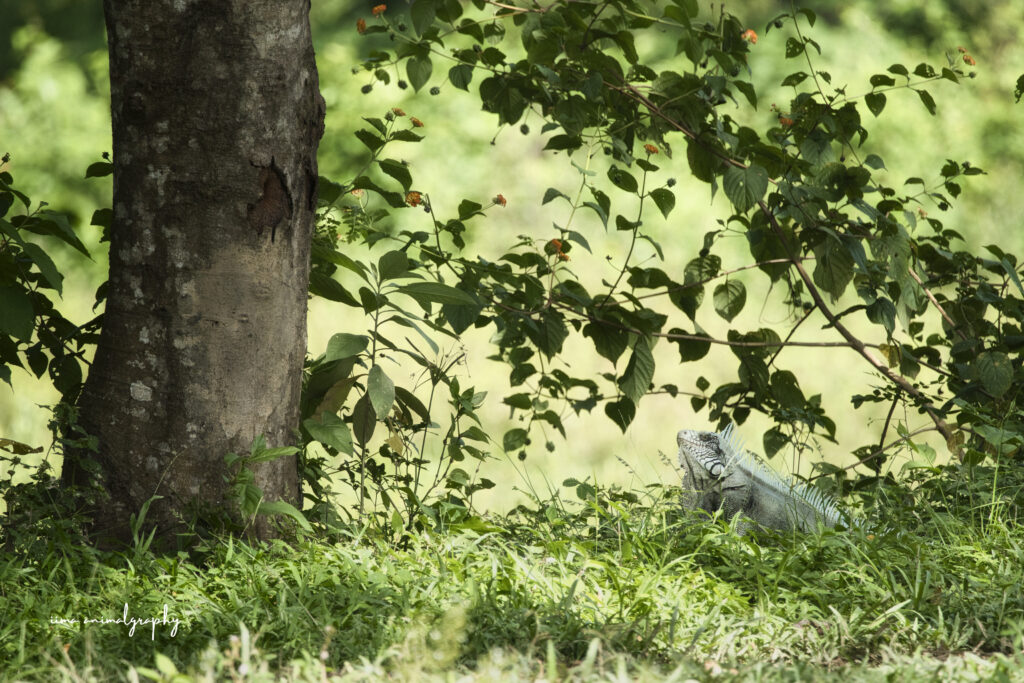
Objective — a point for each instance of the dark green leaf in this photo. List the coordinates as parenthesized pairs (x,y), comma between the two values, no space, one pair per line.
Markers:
(514,439)
(622,179)
(786,390)
(704,163)
(748,91)
(16,315)
(795,78)
(422,13)
(45,265)
(372,142)
(774,441)
(99,169)
(875,102)
(419,68)
(364,422)
(636,379)
(280,507)
(729,299)
(460,76)
(330,430)
(995,372)
(381,391)
(745,186)
(833,269)
(344,345)
(398,171)
(621,412)
(927,100)
(437,292)
(551,193)
(392,264)
(327,287)
(664,199)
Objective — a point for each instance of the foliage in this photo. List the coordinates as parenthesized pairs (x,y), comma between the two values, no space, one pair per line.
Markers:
(581,585)
(819,224)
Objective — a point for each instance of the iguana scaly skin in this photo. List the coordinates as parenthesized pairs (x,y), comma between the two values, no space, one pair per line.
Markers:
(719,474)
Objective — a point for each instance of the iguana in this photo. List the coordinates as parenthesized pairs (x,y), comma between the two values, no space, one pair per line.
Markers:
(719,474)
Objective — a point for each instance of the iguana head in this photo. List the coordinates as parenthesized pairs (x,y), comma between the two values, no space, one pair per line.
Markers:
(704,447)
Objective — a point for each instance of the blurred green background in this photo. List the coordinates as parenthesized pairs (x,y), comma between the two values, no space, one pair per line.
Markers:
(54,121)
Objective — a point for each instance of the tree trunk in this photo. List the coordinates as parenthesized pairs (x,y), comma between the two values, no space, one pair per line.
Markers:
(216,119)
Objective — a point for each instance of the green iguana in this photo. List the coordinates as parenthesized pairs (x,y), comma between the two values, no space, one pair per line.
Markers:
(719,474)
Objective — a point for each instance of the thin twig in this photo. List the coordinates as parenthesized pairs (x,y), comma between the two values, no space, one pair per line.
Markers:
(857,345)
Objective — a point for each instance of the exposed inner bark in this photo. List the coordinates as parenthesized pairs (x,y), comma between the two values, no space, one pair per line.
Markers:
(216,120)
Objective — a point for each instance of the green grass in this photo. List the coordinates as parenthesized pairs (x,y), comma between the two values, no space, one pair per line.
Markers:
(617,585)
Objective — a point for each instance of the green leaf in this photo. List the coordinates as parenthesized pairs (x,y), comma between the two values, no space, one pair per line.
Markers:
(748,91)
(1012,273)
(664,199)
(280,507)
(45,265)
(419,69)
(422,13)
(99,169)
(437,292)
(513,439)
(398,171)
(883,312)
(704,164)
(690,349)
(330,289)
(729,299)
(995,372)
(16,315)
(745,186)
(881,80)
(774,441)
(795,78)
(381,391)
(833,269)
(636,379)
(552,193)
(927,100)
(364,422)
(330,430)
(56,224)
(392,264)
(875,102)
(621,412)
(460,76)
(786,390)
(622,179)
(344,345)
(372,142)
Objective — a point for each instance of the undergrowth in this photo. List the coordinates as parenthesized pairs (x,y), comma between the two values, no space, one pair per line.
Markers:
(608,585)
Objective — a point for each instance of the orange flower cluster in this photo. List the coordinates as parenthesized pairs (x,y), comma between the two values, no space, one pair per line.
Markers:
(397,111)
(413,198)
(554,247)
(378,10)
(785,121)
(416,123)
(361,25)
(500,200)
(750,36)
(969,60)
(650,149)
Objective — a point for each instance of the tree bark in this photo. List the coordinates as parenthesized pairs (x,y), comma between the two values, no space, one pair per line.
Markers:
(216,120)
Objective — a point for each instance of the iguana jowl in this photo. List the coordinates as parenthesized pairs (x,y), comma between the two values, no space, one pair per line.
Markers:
(719,474)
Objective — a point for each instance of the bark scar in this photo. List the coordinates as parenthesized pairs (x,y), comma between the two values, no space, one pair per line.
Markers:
(275,202)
